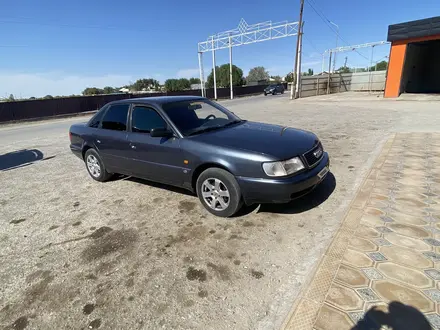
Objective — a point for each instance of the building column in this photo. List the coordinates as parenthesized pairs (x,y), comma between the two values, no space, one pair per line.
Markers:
(395,69)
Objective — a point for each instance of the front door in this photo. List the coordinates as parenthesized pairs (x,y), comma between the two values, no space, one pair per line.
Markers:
(155,158)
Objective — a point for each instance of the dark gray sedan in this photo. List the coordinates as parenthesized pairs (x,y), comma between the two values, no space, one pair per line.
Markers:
(197,144)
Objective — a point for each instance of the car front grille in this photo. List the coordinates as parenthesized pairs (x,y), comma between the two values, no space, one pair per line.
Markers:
(313,156)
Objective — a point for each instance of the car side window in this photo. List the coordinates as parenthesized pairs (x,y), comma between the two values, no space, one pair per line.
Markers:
(96,119)
(143,119)
(116,117)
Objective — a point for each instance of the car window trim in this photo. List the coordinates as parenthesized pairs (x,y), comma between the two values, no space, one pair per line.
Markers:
(159,111)
(102,110)
(126,120)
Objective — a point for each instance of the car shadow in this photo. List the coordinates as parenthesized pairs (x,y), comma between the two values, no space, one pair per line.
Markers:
(19,158)
(399,317)
(302,204)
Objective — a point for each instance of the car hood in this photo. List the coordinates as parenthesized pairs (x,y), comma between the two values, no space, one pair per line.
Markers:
(273,140)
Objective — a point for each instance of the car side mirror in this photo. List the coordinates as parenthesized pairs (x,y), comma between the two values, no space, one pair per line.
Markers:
(161,132)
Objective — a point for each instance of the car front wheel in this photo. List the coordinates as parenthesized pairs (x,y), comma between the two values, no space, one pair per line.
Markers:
(95,166)
(219,192)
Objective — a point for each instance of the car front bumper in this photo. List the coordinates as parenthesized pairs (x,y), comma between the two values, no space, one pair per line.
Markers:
(282,190)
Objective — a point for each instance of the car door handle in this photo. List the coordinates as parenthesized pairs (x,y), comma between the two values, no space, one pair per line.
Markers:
(98,141)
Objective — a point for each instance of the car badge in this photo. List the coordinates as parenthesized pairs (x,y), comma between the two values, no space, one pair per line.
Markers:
(317,153)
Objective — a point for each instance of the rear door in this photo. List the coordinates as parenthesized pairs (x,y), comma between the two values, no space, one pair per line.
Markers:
(156,158)
(111,140)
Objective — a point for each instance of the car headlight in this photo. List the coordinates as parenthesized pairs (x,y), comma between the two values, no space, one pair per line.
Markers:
(283,168)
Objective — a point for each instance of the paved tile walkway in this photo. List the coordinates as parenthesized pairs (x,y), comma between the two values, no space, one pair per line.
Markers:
(382,270)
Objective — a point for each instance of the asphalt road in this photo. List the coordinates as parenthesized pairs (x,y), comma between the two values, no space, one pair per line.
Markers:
(130,254)
(11,133)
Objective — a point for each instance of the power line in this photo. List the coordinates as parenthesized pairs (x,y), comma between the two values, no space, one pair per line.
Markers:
(327,22)
(311,44)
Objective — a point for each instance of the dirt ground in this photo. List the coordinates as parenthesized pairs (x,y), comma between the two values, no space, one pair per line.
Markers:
(129,254)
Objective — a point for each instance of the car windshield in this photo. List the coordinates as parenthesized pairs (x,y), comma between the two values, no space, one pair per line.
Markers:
(272,86)
(197,116)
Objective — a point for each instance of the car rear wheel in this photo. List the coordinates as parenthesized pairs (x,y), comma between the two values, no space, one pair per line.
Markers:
(219,192)
(265,94)
(274,92)
(95,166)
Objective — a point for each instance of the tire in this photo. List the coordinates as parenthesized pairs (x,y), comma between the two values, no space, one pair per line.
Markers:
(95,166)
(230,193)
(265,94)
(282,92)
(274,93)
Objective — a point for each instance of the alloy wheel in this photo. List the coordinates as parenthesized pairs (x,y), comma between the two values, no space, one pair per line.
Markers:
(93,166)
(215,194)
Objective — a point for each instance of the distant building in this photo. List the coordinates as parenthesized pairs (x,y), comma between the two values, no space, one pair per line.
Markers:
(414,57)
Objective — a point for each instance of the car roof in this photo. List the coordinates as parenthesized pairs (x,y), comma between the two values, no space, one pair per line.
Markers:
(159,100)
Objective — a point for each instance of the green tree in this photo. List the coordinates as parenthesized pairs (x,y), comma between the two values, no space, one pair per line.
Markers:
(276,78)
(308,73)
(48,97)
(257,74)
(193,81)
(344,69)
(380,66)
(289,77)
(11,98)
(184,84)
(108,90)
(92,91)
(173,85)
(145,84)
(222,76)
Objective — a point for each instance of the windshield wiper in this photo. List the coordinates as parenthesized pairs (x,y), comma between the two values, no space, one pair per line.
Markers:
(233,122)
(212,128)
(207,129)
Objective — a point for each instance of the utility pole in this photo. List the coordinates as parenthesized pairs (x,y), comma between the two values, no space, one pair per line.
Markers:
(202,86)
(328,73)
(298,72)
(230,66)
(295,72)
(370,68)
(345,63)
(213,70)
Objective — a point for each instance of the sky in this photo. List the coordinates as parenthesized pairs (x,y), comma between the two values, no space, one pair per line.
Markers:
(60,48)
